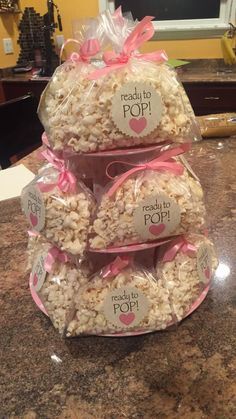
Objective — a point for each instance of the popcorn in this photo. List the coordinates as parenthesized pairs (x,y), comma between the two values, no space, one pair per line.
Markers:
(62,217)
(57,103)
(80,106)
(35,243)
(55,278)
(115,223)
(128,100)
(110,303)
(58,291)
(77,112)
(89,316)
(67,221)
(183,277)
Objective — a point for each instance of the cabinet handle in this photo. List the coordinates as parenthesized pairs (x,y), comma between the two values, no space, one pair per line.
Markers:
(211,98)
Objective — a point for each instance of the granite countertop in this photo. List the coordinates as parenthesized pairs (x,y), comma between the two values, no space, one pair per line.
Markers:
(197,71)
(186,372)
(207,71)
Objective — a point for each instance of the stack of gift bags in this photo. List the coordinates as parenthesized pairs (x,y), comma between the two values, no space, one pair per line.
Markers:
(117,234)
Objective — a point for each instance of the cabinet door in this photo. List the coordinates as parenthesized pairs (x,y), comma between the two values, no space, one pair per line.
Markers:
(15,89)
(2,97)
(209,98)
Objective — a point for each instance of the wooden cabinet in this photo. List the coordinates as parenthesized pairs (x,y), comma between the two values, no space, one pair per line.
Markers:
(207,98)
(2,96)
(21,129)
(14,88)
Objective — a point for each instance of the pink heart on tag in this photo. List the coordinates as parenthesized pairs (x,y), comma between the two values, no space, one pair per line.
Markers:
(33,219)
(127,318)
(35,280)
(157,229)
(207,273)
(138,125)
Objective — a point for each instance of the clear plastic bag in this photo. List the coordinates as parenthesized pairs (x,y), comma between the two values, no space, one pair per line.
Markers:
(186,266)
(35,243)
(127,300)
(166,103)
(217,125)
(135,100)
(54,291)
(148,205)
(60,104)
(164,117)
(92,167)
(115,28)
(62,215)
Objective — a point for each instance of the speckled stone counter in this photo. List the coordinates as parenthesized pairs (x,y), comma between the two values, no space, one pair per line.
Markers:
(207,71)
(198,70)
(187,372)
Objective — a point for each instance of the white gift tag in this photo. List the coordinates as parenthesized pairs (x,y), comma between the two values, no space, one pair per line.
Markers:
(204,263)
(156,217)
(33,206)
(38,273)
(125,307)
(137,109)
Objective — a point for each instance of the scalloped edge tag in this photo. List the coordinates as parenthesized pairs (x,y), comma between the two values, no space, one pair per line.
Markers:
(136,109)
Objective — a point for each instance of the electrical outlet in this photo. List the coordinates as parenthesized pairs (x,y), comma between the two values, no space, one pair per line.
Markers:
(8,46)
(60,40)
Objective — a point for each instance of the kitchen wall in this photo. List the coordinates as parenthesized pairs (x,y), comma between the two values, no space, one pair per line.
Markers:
(72,9)
(69,9)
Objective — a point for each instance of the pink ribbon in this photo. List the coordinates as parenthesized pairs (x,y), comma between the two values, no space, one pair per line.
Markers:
(177,245)
(48,155)
(141,33)
(66,180)
(87,50)
(32,233)
(164,162)
(45,139)
(114,268)
(54,254)
(35,296)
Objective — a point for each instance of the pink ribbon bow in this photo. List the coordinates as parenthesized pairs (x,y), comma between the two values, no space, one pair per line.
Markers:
(114,268)
(178,245)
(45,139)
(66,180)
(141,33)
(32,233)
(87,50)
(54,254)
(164,162)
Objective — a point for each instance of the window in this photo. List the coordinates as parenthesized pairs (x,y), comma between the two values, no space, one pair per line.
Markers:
(178,17)
(172,9)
